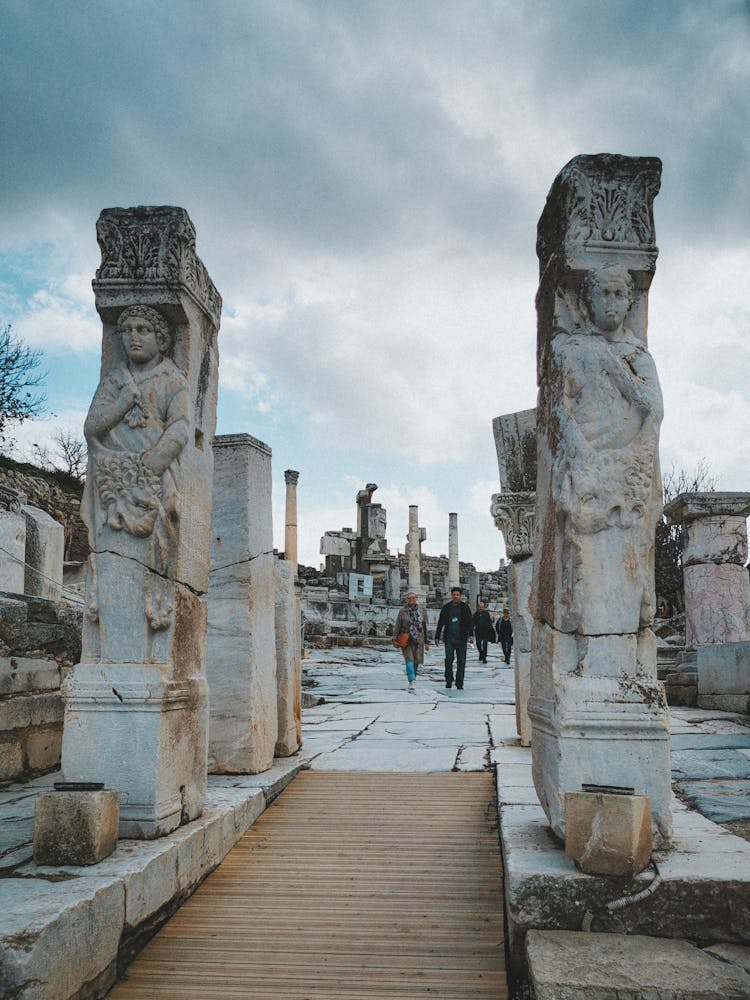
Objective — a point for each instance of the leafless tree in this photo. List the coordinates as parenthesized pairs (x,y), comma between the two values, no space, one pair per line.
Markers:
(19,379)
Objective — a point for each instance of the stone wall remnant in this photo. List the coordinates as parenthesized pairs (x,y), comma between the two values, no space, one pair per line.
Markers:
(136,706)
(717,594)
(598,493)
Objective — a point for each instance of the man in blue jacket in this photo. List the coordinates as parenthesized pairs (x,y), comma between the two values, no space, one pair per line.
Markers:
(456,625)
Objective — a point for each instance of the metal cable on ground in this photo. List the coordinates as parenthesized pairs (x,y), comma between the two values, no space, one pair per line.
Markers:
(626,900)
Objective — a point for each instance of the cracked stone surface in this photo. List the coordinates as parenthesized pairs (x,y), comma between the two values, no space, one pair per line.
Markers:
(371,722)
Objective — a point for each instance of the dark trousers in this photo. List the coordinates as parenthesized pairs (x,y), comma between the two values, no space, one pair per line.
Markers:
(507,645)
(459,649)
(482,649)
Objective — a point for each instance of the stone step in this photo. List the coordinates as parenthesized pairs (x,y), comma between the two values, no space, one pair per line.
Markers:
(566,964)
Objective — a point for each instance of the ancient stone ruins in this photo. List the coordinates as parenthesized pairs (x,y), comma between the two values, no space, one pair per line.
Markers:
(166,645)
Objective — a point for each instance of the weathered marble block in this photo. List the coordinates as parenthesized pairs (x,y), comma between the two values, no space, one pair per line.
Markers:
(724,677)
(608,834)
(241,659)
(45,550)
(717,585)
(75,827)
(136,706)
(12,541)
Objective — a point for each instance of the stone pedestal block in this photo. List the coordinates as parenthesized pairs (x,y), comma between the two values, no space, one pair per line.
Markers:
(45,550)
(75,828)
(288,661)
(608,834)
(724,677)
(241,666)
(158,726)
(596,728)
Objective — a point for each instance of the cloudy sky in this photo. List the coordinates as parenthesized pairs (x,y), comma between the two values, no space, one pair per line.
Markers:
(365,179)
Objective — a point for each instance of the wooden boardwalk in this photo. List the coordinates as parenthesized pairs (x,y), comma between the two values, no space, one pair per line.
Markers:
(349,886)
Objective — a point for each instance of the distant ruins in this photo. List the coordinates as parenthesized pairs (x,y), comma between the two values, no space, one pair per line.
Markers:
(362,582)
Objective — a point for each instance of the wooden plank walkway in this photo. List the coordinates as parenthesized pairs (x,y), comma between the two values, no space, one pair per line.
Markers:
(349,886)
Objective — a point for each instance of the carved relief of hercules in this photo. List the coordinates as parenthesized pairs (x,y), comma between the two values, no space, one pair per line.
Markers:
(136,428)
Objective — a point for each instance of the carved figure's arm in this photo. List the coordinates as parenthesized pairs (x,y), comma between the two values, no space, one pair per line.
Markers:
(114,397)
(634,374)
(176,433)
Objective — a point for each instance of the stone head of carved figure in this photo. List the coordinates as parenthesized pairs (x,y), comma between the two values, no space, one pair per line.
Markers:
(145,334)
(608,295)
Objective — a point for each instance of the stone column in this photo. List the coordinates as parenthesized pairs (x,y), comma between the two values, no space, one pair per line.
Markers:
(472,585)
(453,568)
(413,550)
(288,661)
(241,660)
(136,707)
(290,527)
(513,514)
(717,594)
(598,712)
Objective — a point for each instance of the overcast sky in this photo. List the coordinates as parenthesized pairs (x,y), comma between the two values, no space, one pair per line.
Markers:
(365,179)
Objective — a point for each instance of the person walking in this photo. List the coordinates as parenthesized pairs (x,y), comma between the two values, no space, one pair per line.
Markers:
(484,630)
(505,634)
(412,620)
(456,624)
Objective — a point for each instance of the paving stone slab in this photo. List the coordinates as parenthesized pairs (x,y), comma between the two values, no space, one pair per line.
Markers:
(710,763)
(719,800)
(567,965)
(57,936)
(709,741)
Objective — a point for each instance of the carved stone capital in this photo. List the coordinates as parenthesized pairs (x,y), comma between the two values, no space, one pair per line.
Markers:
(153,246)
(513,514)
(600,204)
(291,477)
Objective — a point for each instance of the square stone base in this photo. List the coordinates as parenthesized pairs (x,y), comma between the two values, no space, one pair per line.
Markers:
(75,828)
(608,834)
(131,727)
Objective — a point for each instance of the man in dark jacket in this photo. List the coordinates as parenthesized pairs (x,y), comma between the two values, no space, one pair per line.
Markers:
(505,634)
(455,622)
(484,630)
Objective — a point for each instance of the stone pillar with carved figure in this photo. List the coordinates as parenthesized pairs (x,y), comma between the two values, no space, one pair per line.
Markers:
(136,708)
(598,712)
